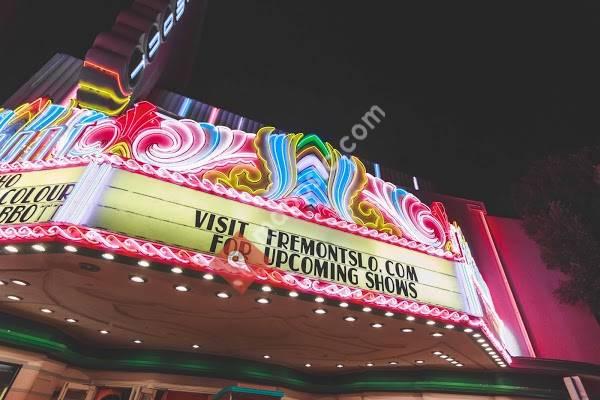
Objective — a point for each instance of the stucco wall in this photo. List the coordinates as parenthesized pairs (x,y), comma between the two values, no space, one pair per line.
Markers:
(558,331)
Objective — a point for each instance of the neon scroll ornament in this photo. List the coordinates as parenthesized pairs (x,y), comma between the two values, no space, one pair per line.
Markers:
(296,169)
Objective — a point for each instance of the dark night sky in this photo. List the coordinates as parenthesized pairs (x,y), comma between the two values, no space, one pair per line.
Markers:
(473,92)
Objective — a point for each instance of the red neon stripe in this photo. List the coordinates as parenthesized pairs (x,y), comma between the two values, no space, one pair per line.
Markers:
(115,74)
(506,284)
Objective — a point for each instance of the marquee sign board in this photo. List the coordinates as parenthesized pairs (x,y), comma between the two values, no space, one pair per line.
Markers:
(33,197)
(140,206)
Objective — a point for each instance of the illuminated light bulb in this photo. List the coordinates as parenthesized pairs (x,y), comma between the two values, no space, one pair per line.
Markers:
(2,283)
(393,363)
(503,366)
(437,334)
(437,353)
(143,263)
(485,345)
(350,318)
(11,249)
(430,322)
(458,365)
(182,288)
(319,299)
(444,356)
(176,270)
(266,288)
(410,318)
(476,335)
(308,365)
(449,359)
(195,346)
(19,282)
(480,340)
(137,341)
(14,298)
(468,330)
(46,310)
(489,350)
(376,325)
(38,247)
(104,332)
(137,279)
(70,249)
(340,366)
(389,314)
(454,362)
(367,309)
(493,353)
(208,277)
(71,320)
(449,326)
(223,295)
(419,362)
(108,256)
(343,304)
(293,294)
(320,311)
(266,356)
(369,364)
(407,330)
(263,300)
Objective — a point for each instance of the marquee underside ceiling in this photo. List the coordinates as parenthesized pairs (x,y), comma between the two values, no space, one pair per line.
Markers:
(100,295)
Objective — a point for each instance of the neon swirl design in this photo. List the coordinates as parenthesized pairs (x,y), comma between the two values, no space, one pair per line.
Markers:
(406,211)
(186,146)
(278,155)
(313,166)
(347,178)
(278,167)
(96,139)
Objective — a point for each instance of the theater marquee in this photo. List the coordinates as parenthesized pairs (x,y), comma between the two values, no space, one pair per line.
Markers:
(144,207)
(305,207)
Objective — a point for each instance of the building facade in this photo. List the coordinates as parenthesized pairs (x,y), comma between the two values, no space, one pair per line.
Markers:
(156,247)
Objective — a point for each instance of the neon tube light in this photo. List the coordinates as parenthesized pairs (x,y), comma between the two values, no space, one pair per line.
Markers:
(168,25)
(154,44)
(110,72)
(180,9)
(104,92)
(185,106)
(138,69)
(377,169)
(505,281)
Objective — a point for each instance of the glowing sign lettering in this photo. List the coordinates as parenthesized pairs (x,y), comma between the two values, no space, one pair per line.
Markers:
(24,199)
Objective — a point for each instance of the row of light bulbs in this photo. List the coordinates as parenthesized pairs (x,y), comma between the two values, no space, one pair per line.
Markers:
(369,364)
(260,300)
(489,349)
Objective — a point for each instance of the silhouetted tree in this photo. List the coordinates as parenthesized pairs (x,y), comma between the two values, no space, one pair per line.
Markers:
(559,201)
